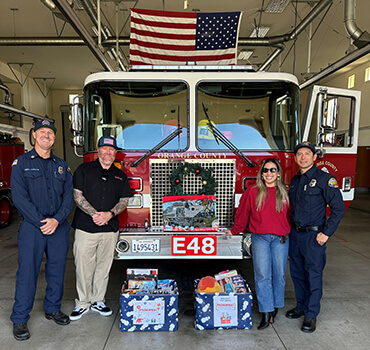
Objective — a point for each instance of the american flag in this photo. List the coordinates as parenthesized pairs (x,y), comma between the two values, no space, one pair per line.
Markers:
(175,38)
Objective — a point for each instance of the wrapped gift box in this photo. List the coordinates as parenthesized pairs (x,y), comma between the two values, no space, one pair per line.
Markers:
(149,312)
(223,310)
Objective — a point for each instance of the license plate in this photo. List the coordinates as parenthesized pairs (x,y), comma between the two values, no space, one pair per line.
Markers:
(145,246)
(194,245)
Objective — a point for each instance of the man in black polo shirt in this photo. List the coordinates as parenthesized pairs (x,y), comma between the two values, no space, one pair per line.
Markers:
(101,192)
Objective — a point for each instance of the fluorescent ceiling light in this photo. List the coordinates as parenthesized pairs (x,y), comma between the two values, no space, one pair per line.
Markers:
(277,6)
(261,31)
(244,55)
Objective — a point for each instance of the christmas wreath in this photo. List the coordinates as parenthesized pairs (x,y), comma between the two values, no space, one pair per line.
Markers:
(177,179)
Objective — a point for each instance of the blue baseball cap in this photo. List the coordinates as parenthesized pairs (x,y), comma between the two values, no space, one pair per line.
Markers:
(45,124)
(306,144)
(107,141)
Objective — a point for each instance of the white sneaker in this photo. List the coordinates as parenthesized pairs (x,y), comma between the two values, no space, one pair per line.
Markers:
(103,309)
(77,313)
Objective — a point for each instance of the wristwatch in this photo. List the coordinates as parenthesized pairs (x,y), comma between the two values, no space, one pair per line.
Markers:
(113,215)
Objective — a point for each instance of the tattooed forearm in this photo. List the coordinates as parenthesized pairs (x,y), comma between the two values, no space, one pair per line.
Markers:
(120,206)
(82,203)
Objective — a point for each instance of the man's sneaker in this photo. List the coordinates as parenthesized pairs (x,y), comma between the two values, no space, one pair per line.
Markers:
(20,331)
(103,309)
(77,313)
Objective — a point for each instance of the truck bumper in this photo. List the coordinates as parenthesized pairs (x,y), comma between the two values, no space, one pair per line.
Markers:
(210,245)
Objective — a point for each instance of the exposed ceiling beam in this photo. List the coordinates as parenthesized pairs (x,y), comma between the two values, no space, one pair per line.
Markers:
(77,25)
(353,56)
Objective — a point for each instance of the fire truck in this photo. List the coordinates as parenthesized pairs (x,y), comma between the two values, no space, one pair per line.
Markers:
(228,119)
(10,149)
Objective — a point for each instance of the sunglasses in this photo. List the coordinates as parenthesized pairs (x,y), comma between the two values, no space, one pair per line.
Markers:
(104,175)
(272,170)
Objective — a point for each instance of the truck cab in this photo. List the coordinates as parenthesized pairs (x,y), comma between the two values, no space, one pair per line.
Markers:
(226,120)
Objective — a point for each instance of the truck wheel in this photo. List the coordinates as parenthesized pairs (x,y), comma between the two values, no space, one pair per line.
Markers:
(5,211)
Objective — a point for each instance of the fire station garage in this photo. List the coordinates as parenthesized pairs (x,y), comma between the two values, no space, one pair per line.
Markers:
(133,137)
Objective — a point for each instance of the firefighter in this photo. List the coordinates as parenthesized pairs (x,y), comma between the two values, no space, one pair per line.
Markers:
(101,192)
(42,191)
(311,190)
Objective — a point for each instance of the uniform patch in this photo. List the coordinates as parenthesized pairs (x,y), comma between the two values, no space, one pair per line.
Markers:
(313,183)
(325,169)
(15,162)
(60,170)
(333,182)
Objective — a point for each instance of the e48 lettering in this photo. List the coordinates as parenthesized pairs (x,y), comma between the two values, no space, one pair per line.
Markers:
(194,245)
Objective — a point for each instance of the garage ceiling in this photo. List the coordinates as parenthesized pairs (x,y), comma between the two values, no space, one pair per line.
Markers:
(67,60)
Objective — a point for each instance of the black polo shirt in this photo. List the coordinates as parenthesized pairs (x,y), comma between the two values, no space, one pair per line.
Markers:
(102,195)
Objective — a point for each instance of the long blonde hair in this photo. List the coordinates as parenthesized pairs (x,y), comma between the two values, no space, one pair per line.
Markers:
(281,194)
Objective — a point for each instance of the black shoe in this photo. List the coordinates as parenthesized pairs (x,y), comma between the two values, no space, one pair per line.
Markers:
(273,314)
(20,331)
(308,325)
(294,313)
(266,320)
(59,318)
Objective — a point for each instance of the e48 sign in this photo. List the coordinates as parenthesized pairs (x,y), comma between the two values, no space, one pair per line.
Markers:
(194,245)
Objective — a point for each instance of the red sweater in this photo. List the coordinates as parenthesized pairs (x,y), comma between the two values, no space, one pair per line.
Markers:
(265,221)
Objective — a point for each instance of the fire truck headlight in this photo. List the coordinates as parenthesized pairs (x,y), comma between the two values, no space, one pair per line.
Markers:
(136,201)
(122,246)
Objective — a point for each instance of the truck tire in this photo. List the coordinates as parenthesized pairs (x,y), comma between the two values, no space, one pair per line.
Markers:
(5,211)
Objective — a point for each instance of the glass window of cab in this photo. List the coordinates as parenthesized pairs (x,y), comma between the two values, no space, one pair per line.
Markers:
(250,115)
(140,115)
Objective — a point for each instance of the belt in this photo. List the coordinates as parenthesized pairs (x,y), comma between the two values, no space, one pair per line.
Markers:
(307,229)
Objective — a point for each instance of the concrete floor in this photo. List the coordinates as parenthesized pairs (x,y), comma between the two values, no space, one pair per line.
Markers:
(342,324)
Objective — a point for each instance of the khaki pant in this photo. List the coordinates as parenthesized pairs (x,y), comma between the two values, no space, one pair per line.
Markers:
(93,254)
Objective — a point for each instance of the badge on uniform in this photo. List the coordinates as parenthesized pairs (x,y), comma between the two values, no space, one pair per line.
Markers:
(333,182)
(60,170)
(313,183)
(15,162)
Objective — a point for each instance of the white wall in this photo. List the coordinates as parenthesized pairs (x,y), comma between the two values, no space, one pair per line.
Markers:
(35,102)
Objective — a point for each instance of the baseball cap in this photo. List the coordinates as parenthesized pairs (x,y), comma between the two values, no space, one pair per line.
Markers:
(107,141)
(307,144)
(45,124)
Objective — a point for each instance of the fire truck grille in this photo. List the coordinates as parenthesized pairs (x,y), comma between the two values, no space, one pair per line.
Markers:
(224,174)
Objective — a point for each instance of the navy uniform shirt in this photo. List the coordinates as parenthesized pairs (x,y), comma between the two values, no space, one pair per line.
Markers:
(309,195)
(41,188)
(102,195)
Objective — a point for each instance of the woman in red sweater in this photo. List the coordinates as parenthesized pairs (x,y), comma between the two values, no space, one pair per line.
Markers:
(264,208)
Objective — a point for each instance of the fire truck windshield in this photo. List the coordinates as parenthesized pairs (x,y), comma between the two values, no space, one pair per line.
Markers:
(138,114)
(251,115)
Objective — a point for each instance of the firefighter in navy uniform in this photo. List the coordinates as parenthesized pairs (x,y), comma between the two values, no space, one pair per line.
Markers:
(311,190)
(42,191)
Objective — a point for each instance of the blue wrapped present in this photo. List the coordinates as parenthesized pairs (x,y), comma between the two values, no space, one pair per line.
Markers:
(149,312)
(223,310)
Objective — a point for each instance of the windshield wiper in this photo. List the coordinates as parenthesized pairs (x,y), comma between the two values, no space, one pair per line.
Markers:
(158,146)
(219,135)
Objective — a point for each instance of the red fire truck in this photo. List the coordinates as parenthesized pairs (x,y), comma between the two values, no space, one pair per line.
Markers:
(10,148)
(226,118)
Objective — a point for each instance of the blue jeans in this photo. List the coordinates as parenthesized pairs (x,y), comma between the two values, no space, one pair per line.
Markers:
(270,261)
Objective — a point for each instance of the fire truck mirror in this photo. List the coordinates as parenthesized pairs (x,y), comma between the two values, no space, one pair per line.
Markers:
(328,138)
(76,119)
(329,117)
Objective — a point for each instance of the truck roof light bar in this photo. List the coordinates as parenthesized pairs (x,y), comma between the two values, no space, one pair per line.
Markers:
(246,68)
